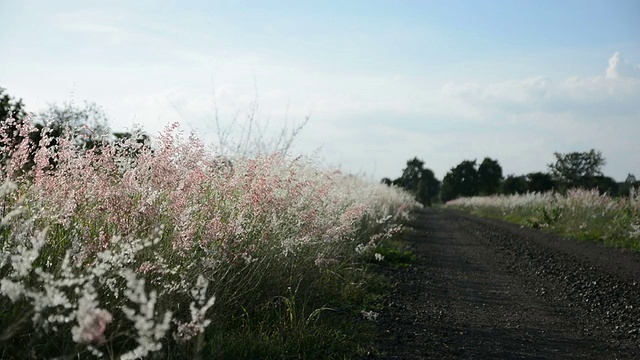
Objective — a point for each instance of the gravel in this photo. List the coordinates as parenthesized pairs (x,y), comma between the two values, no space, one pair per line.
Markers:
(483,289)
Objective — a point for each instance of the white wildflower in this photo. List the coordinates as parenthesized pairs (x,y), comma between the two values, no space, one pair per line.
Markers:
(198,322)
(92,321)
(11,289)
(150,332)
(369,315)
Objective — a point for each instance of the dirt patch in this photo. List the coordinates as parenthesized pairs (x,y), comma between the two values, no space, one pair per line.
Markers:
(486,289)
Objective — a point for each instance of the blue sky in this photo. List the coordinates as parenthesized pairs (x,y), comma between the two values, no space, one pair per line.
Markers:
(382,81)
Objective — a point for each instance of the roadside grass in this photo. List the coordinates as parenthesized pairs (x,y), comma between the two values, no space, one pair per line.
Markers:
(179,253)
(580,214)
(300,327)
(395,254)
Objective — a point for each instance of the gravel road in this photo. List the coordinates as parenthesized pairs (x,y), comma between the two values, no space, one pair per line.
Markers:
(486,289)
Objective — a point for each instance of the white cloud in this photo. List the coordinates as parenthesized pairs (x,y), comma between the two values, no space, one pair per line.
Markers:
(540,115)
(620,68)
(93,24)
(595,96)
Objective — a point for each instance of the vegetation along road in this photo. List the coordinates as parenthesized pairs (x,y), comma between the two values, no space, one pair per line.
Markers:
(486,289)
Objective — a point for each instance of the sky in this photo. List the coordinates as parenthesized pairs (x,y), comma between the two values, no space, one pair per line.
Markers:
(380,81)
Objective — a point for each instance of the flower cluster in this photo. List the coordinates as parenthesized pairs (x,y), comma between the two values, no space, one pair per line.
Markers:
(100,240)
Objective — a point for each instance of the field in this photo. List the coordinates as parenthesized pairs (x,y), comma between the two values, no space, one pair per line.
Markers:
(173,251)
(580,214)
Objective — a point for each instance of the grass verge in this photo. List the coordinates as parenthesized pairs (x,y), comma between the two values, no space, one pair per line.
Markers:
(580,214)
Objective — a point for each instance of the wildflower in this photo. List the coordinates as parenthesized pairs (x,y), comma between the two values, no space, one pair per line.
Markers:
(369,315)
(150,332)
(11,289)
(198,323)
(92,322)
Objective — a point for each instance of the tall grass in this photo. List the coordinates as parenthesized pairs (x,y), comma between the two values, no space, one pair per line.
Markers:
(582,214)
(127,252)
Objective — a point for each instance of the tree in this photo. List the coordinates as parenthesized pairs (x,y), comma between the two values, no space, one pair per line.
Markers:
(411,174)
(417,180)
(461,180)
(489,176)
(9,138)
(87,124)
(604,184)
(514,185)
(576,169)
(10,107)
(540,182)
(624,188)
(428,187)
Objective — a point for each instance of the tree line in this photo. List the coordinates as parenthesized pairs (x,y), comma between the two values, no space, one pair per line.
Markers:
(568,171)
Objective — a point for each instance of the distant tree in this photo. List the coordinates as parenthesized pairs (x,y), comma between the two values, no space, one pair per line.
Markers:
(139,139)
(577,169)
(428,187)
(461,180)
(398,182)
(419,181)
(411,174)
(604,184)
(624,188)
(12,115)
(87,124)
(540,182)
(9,106)
(514,185)
(489,176)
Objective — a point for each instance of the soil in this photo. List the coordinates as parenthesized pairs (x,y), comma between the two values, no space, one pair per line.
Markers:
(487,289)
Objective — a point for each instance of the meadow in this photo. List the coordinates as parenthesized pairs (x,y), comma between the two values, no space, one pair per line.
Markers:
(174,251)
(580,214)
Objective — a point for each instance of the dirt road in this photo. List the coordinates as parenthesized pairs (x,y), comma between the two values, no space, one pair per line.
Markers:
(485,289)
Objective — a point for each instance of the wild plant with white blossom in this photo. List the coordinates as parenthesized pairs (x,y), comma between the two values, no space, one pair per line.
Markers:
(580,213)
(100,247)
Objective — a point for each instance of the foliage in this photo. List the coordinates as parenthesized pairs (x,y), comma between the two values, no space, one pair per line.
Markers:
(462,180)
(467,180)
(418,181)
(489,176)
(630,183)
(10,108)
(125,257)
(85,125)
(582,214)
(86,119)
(11,114)
(514,185)
(540,182)
(393,255)
(576,169)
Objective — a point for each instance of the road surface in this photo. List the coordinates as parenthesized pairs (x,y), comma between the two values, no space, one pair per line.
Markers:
(486,289)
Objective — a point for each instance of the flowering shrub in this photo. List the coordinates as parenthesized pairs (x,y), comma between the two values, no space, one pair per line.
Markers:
(580,213)
(101,247)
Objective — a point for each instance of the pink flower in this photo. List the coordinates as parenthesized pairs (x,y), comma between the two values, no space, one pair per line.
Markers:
(92,323)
